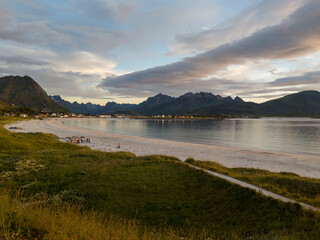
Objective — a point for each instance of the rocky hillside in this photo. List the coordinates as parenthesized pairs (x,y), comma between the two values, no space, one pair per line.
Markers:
(25,92)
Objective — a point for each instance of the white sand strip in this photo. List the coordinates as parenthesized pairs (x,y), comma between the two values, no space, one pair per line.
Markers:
(304,165)
(257,189)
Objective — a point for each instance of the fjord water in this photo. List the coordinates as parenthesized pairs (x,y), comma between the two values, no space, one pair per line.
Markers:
(293,135)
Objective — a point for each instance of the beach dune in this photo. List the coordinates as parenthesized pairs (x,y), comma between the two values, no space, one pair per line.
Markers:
(304,165)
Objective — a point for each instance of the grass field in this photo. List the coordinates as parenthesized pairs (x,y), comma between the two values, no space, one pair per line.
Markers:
(290,185)
(151,197)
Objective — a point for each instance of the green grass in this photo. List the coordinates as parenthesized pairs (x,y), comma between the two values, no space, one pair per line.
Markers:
(158,192)
(290,185)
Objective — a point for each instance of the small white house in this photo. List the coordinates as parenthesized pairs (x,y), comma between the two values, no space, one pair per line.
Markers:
(23,115)
(105,116)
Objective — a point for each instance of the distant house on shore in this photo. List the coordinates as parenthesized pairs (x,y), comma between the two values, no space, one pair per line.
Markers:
(23,115)
(105,116)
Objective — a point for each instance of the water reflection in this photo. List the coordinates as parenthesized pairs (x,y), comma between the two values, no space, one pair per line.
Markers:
(275,134)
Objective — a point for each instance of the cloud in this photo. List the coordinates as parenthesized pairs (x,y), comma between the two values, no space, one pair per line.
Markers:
(296,36)
(22,60)
(251,19)
(305,79)
(25,32)
(74,61)
(65,59)
(92,38)
(68,84)
(75,73)
(59,38)
(106,10)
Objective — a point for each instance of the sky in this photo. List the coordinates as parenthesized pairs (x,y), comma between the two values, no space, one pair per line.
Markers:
(126,51)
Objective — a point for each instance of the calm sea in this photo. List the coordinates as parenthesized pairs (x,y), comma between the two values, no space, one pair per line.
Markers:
(293,135)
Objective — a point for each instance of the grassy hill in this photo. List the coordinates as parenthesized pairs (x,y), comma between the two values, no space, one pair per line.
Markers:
(163,197)
(6,108)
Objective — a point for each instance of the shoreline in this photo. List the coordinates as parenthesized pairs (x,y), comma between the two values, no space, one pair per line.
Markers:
(303,165)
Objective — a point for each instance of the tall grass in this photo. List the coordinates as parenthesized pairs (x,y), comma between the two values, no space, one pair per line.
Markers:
(36,220)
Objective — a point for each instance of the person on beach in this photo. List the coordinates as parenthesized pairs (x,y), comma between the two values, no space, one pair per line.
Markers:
(118,145)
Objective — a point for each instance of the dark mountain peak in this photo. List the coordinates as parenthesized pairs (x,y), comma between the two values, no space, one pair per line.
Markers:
(111,104)
(149,106)
(205,94)
(238,99)
(305,94)
(112,107)
(197,95)
(160,95)
(219,98)
(228,99)
(308,92)
(18,80)
(184,104)
(26,78)
(186,95)
(56,98)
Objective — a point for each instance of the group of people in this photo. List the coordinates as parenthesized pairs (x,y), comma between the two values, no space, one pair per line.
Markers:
(82,139)
(78,140)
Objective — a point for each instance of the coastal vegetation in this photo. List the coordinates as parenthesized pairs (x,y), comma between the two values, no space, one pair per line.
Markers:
(55,190)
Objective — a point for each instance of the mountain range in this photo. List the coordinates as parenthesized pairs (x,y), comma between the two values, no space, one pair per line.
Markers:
(90,108)
(203,103)
(158,105)
(24,93)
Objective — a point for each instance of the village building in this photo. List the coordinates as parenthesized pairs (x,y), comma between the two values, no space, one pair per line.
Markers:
(105,116)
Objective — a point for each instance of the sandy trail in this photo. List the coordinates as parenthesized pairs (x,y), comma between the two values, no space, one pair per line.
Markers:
(304,165)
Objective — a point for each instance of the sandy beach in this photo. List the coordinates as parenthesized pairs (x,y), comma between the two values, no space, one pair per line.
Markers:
(304,165)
